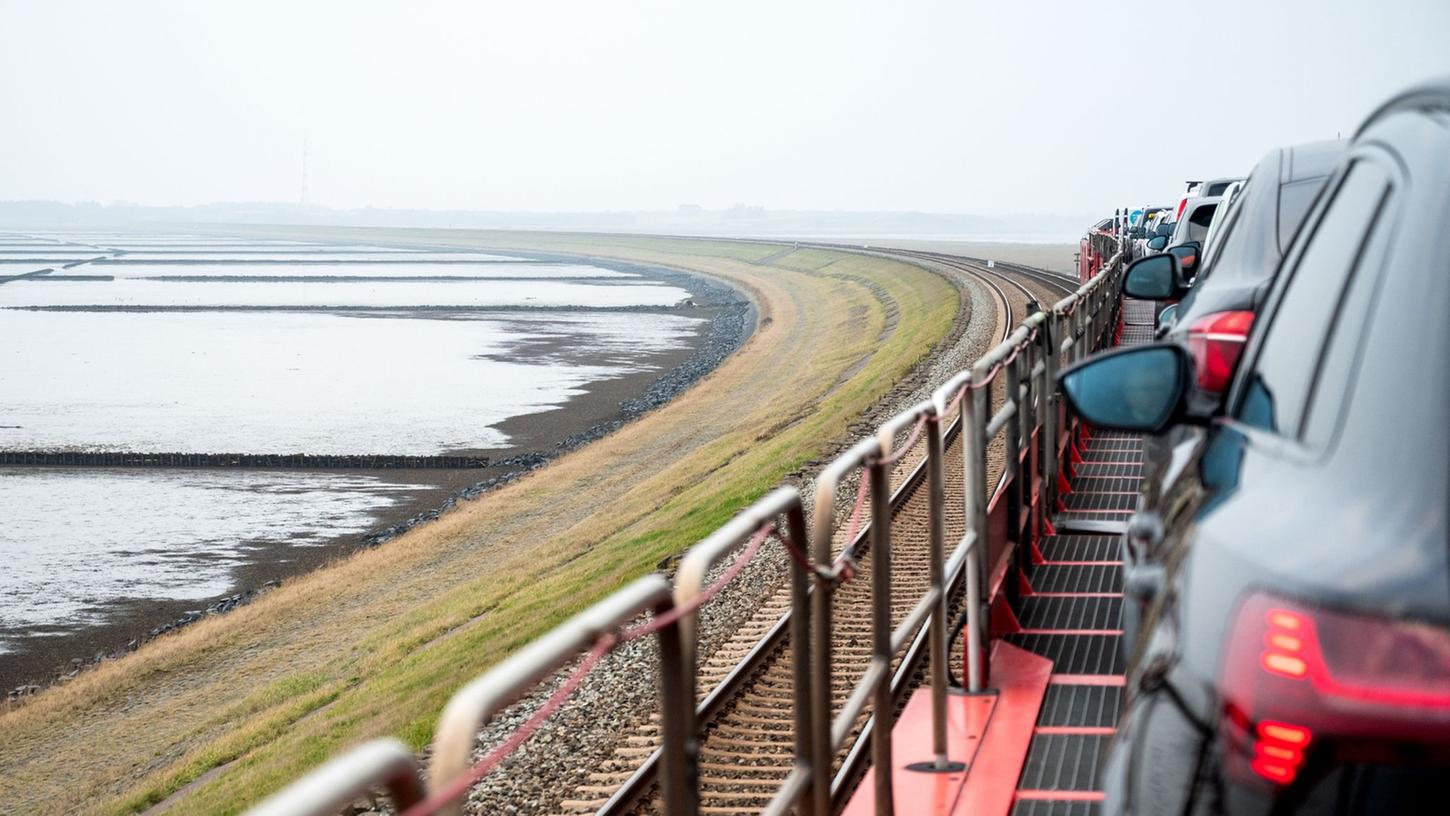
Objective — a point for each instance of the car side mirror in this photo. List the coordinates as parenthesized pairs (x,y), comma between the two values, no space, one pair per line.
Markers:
(1157,242)
(1187,254)
(1169,314)
(1155,277)
(1138,389)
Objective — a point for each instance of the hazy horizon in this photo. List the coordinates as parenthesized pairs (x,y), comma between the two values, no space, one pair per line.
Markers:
(936,108)
(739,221)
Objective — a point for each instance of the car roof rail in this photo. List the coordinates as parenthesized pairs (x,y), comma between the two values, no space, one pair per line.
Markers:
(1434,93)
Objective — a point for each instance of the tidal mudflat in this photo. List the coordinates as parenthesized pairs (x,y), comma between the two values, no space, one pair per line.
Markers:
(196,345)
(95,549)
(318,382)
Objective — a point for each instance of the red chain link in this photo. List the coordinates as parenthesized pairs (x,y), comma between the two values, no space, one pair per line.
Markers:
(906,446)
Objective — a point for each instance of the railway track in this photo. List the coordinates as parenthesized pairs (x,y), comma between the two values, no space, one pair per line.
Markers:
(747,745)
(1049,286)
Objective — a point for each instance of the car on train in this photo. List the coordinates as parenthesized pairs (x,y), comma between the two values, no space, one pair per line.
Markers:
(1295,654)
(1215,226)
(1212,317)
(1192,225)
(1212,188)
(1145,228)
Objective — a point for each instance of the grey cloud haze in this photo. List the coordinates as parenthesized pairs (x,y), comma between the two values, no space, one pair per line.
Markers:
(967,107)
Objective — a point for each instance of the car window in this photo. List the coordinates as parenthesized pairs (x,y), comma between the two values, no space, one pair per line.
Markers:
(1197,227)
(1283,372)
(1295,199)
(1220,235)
(1245,249)
(1215,225)
(1351,324)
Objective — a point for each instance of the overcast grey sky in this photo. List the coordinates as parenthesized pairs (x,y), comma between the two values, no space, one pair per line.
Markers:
(961,107)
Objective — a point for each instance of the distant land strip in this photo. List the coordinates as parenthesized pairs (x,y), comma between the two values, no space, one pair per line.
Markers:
(301,461)
(424,258)
(324,278)
(456,309)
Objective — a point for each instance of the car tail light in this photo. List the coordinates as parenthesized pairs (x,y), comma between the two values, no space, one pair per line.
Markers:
(1182,202)
(1215,341)
(1295,676)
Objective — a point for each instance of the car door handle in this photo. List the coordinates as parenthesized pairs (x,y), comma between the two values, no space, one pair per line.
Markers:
(1144,534)
(1142,582)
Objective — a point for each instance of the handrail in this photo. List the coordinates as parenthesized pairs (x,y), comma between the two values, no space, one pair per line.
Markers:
(384,763)
(478,701)
(1027,421)
(810,751)
(873,685)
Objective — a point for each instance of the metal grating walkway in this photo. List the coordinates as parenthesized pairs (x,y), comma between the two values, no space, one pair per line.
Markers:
(1071,611)
(1053,807)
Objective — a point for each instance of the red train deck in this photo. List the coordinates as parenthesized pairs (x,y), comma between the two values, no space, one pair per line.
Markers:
(1034,743)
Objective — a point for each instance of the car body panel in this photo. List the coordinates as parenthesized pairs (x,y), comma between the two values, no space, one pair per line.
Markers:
(1192,225)
(1342,504)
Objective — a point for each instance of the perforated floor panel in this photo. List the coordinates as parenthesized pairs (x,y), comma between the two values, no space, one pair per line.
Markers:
(1040,807)
(1077,578)
(1062,762)
(1116,471)
(1082,706)
(1118,502)
(1039,612)
(1075,654)
(1109,485)
(1080,548)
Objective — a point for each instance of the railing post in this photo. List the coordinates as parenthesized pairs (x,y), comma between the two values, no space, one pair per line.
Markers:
(1012,447)
(680,747)
(975,414)
(1030,418)
(1075,331)
(812,713)
(883,706)
(1047,447)
(822,667)
(936,485)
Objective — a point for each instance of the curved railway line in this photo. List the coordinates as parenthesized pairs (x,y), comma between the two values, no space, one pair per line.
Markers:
(747,747)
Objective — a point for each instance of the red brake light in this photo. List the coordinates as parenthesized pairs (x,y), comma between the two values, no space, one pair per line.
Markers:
(1215,341)
(1279,751)
(1182,202)
(1295,675)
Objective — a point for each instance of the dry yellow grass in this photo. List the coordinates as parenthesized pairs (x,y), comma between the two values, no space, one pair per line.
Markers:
(237,706)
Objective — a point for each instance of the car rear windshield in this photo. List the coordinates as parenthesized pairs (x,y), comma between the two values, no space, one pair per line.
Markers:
(1295,199)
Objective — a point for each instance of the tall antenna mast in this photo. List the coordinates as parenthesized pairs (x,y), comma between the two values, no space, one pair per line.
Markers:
(303,200)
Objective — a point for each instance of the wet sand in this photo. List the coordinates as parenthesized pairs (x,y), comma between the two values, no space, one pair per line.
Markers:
(42,660)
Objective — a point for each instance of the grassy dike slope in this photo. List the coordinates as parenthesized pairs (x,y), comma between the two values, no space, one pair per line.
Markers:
(230,709)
